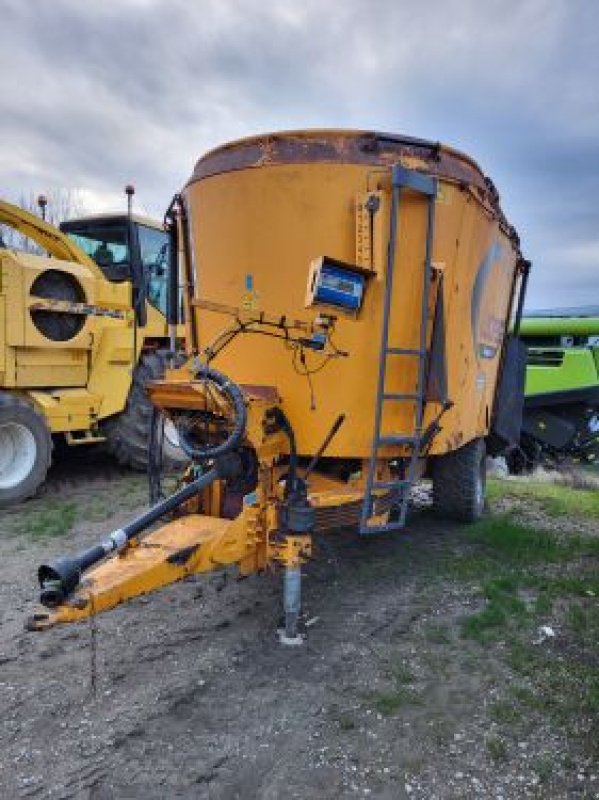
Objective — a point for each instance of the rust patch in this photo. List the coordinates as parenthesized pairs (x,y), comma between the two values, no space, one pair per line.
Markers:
(351,147)
(260,392)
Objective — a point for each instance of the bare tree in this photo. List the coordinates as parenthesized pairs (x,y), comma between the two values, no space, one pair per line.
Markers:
(61,204)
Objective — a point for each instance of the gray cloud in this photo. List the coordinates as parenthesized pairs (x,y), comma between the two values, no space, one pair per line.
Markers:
(95,95)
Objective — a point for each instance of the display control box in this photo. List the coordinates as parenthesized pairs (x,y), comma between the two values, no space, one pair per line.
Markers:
(336,283)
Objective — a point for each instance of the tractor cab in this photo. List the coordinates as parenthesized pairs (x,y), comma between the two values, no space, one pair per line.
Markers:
(127,248)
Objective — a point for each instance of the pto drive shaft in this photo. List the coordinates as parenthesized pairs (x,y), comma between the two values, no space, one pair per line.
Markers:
(60,578)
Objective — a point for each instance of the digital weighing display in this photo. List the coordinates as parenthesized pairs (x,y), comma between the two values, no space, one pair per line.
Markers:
(337,286)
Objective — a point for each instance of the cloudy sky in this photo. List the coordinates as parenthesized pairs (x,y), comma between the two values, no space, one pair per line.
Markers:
(98,94)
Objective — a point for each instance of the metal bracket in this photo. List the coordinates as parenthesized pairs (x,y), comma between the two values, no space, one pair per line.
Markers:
(405,178)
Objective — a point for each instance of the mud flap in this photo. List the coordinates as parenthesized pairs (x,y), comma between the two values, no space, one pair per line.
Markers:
(506,424)
(436,379)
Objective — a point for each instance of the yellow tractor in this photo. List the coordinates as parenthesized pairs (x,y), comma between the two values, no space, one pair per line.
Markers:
(83,327)
(351,299)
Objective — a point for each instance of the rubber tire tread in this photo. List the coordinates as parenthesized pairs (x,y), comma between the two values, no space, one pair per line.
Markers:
(15,408)
(455,476)
(128,433)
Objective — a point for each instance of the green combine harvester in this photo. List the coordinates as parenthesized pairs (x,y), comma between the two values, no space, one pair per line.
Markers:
(561,412)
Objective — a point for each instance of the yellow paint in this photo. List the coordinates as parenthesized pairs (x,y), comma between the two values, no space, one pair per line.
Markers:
(272,221)
(98,361)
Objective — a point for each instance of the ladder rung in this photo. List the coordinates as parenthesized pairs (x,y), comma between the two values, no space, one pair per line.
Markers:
(394,396)
(391,484)
(397,440)
(391,526)
(404,351)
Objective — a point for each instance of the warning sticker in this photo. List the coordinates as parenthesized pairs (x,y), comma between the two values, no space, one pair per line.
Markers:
(443,193)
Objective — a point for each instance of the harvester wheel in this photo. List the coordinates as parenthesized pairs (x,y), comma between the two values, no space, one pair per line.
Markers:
(459,482)
(25,449)
(128,433)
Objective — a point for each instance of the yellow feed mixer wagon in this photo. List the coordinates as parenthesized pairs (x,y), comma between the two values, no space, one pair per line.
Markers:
(351,306)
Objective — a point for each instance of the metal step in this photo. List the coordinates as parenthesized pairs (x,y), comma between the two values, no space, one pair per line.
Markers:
(75,438)
(404,351)
(389,527)
(391,484)
(394,396)
(397,440)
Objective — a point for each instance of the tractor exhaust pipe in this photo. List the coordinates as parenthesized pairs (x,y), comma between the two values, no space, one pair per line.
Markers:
(61,577)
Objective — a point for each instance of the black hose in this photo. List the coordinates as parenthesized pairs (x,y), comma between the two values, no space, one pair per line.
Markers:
(155,456)
(172,310)
(278,417)
(235,397)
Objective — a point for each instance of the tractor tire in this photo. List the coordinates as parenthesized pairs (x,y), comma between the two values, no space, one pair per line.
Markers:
(459,482)
(128,433)
(25,449)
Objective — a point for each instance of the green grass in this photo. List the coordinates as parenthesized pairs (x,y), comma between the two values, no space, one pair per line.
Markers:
(344,718)
(54,519)
(402,694)
(509,560)
(504,608)
(503,538)
(496,748)
(437,633)
(562,688)
(555,499)
(544,766)
(403,675)
(523,695)
(527,577)
(500,546)
(505,713)
(47,517)
(390,702)
(577,620)
(522,576)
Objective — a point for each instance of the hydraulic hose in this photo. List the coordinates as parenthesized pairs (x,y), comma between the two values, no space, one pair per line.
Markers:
(235,397)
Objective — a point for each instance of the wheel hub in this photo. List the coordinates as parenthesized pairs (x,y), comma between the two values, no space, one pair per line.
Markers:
(17,454)
(171,437)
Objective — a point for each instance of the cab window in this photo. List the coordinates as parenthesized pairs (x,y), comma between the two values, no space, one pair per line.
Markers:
(154,251)
(107,245)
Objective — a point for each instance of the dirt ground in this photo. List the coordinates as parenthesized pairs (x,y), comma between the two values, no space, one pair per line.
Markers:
(188,694)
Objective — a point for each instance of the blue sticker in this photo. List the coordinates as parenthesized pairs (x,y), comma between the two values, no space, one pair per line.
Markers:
(249,282)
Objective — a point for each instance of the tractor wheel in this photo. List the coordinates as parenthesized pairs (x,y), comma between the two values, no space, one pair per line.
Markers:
(128,433)
(459,482)
(25,449)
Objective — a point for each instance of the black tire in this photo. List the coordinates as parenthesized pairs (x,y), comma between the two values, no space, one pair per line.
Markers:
(459,482)
(25,449)
(128,433)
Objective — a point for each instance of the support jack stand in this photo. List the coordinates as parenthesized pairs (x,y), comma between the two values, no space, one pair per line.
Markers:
(292,602)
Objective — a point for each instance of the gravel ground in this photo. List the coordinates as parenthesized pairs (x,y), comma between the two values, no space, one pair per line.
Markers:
(188,694)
